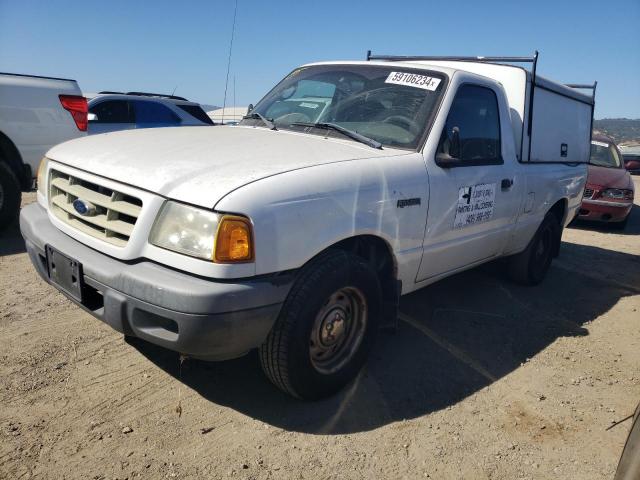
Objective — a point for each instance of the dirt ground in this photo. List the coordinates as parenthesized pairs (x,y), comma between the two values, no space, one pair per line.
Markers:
(483,380)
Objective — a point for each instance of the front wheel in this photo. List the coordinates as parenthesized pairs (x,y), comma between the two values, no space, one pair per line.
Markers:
(530,266)
(326,327)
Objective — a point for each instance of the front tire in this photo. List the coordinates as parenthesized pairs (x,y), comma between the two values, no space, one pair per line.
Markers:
(530,266)
(9,196)
(326,327)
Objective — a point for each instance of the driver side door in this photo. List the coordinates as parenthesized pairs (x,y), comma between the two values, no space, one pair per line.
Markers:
(474,195)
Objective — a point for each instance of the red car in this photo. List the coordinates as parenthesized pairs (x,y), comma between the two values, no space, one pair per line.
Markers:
(608,194)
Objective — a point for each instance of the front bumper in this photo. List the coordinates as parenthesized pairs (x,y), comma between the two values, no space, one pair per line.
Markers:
(604,211)
(202,318)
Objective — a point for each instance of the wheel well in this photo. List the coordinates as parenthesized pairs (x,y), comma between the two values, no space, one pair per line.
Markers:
(10,155)
(375,251)
(559,209)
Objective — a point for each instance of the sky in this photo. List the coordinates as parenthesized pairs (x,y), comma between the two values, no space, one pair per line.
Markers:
(163,45)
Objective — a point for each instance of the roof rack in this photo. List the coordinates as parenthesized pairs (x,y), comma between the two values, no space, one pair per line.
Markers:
(144,94)
(410,58)
(584,86)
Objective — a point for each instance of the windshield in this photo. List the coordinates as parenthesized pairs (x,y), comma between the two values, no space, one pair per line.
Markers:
(391,105)
(604,155)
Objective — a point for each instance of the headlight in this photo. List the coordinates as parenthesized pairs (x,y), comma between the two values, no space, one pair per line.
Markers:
(185,229)
(617,194)
(203,234)
(41,178)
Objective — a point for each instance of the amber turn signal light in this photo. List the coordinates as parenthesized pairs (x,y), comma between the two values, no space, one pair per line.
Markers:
(234,240)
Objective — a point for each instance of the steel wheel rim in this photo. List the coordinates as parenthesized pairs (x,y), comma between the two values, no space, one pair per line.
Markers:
(338,330)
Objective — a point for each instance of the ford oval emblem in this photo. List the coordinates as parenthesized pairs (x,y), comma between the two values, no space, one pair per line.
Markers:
(84,208)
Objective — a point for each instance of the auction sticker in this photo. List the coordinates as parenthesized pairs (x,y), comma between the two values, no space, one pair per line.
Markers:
(475,204)
(600,144)
(413,80)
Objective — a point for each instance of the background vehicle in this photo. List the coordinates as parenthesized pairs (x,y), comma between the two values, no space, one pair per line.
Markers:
(36,113)
(112,111)
(631,157)
(227,116)
(297,234)
(608,195)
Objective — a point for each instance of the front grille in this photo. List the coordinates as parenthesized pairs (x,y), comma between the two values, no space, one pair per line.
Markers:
(588,193)
(115,212)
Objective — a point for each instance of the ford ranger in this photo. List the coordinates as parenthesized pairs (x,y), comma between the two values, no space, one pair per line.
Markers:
(296,232)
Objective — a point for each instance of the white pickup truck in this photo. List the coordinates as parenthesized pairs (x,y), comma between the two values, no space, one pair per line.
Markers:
(36,113)
(296,232)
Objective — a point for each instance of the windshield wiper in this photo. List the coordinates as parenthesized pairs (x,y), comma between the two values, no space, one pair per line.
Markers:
(258,116)
(345,131)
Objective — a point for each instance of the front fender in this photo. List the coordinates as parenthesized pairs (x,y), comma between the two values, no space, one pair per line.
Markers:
(300,213)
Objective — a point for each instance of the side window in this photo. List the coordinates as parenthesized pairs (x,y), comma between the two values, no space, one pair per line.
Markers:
(152,113)
(112,111)
(475,118)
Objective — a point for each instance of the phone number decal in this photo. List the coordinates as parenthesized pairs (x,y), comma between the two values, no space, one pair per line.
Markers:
(475,204)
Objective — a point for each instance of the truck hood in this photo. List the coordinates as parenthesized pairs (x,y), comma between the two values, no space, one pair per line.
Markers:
(199,165)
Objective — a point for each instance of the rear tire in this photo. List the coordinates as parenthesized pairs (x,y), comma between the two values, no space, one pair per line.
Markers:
(530,266)
(10,196)
(326,327)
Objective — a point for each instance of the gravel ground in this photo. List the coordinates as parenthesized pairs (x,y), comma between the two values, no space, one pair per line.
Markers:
(483,380)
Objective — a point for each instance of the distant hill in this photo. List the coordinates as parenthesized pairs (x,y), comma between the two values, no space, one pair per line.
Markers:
(622,130)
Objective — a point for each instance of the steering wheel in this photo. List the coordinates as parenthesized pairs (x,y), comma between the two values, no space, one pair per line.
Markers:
(402,121)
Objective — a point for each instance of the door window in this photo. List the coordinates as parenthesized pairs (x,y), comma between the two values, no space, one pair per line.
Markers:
(475,117)
(112,111)
(156,114)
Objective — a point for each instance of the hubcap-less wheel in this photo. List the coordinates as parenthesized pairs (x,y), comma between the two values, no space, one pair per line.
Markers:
(338,330)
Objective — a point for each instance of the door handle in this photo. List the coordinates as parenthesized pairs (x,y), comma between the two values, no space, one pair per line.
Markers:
(506,183)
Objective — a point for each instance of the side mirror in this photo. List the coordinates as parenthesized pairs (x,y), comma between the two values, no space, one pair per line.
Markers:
(451,156)
(92,117)
(249,108)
